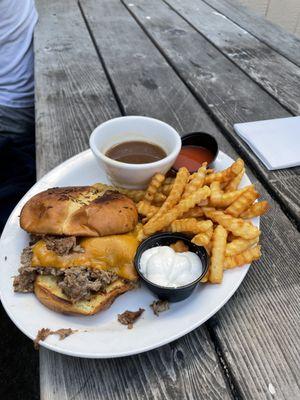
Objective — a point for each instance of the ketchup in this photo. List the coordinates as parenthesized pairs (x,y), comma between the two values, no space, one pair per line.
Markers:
(192,157)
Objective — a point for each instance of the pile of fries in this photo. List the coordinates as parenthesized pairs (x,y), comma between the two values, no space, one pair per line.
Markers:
(210,208)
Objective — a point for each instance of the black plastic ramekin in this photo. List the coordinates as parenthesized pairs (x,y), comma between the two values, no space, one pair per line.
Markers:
(165,239)
(202,139)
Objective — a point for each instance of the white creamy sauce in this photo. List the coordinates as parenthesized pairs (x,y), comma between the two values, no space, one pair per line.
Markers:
(163,266)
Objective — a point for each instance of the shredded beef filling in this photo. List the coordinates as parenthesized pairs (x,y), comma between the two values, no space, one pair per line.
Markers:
(23,283)
(62,245)
(33,238)
(129,317)
(78,283)
(45,332)
(159,306)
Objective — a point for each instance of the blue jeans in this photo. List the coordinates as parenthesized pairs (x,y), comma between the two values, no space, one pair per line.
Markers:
(17,157)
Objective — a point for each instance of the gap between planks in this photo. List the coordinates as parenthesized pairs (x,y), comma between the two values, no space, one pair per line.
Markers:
(102,62)
(268,222)
(255,68)
(85,126)
(285,43)
(224,367)
(237,144)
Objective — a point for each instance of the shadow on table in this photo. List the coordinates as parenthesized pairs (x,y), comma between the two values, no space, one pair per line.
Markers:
(19,363)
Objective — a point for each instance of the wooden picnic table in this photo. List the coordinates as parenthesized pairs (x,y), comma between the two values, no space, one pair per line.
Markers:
(197,65)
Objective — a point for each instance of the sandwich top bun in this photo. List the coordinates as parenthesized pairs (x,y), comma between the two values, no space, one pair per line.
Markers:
(79,211)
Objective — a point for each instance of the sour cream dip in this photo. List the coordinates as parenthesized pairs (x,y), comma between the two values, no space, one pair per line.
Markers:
(163,266)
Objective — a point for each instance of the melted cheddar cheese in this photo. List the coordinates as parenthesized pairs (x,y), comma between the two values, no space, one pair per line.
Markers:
(114,253)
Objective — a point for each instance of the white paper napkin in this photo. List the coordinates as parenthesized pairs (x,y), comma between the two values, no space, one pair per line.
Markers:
(276,141)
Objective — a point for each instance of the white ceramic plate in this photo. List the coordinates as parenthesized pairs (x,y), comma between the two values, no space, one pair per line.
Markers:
(102,336)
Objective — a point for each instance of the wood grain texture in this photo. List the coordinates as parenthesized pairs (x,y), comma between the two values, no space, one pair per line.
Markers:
(262,323)
(277,38)
(67,111)
(247,330)
(143,80)
(272,71)
(227,92)
(180,370)
(188,368)
(72,94)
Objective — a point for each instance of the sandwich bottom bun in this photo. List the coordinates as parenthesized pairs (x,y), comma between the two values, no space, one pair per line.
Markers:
(50,294)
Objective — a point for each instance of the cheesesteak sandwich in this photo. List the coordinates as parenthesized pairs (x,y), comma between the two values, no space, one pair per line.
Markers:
(81,254)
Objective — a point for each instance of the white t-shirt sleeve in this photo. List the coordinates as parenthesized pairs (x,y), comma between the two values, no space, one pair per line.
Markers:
(17,22)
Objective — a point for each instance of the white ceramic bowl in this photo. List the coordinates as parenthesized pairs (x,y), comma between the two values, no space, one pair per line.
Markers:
(134,128)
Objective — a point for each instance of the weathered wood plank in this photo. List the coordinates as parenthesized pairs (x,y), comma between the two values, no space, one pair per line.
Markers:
(229,94)
(85,378)
(262,323)
(277,38)
(143,80)
(272,71)
(72,94)
(109,22)
(180,370)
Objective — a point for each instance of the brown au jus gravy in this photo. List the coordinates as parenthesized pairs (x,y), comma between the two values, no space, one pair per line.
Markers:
(136,152)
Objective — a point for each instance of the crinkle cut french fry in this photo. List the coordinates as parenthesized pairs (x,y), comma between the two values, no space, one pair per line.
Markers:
(243,202)
(217,255)
(179,246)
(207,171)
(144,206)
(167,185)
(195,212)
(203,203)
(192,176)
(205,278)
(227,174)
(215,190)
(135,195)
(159,198)
(234,183)
(169,181)
(256,209)
(239,245)
(190,225)
(227,198)
(156,224)
(147,209)
(153,187)
(246,257)
(220,199)
(197,181)
(176,192)
(208,248)
(139,232)
(237,226)
(166,189)
(203,238)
